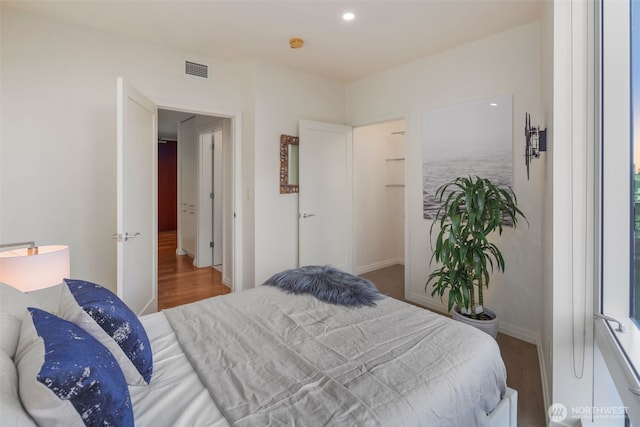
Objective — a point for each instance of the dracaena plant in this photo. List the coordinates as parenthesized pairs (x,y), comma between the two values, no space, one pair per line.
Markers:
(470,210)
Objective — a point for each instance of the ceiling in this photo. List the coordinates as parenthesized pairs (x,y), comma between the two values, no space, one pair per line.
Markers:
(384,34)
(169,120)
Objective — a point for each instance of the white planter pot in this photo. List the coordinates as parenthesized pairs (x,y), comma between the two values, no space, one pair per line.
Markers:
(488,326)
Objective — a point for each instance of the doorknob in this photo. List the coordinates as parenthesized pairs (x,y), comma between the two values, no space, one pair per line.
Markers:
(306,215)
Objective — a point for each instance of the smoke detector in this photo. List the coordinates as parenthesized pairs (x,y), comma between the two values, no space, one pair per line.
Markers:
(296,43)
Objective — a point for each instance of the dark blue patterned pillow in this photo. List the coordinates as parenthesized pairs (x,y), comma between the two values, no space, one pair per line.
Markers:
(66,377)
(100,312)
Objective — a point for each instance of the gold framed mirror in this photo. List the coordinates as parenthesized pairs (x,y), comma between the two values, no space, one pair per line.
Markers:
(289,164)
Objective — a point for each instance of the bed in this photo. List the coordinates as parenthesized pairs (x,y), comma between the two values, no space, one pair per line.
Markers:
(266,357)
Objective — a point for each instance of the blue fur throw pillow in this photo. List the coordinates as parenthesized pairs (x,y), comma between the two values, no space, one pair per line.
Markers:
(327,284)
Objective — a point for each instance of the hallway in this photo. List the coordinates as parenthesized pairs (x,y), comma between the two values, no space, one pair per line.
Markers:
(179,282)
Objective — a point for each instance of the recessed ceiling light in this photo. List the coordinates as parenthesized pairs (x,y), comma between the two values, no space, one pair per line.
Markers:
(493,104)
(348,16)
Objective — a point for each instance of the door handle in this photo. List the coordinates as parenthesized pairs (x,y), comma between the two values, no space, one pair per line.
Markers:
(128,236)
(306,215)
(124,237)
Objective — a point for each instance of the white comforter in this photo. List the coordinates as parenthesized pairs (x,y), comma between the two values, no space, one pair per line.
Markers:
(273,359)
(175,397)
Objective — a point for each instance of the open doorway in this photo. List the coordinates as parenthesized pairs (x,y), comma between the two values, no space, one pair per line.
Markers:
(379,204)
(194,250)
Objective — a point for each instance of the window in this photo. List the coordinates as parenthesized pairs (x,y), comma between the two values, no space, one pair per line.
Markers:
(635,124)
(620,197)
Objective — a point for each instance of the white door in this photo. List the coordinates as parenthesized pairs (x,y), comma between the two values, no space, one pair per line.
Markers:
(325,201)
(209,226)
(217,198)
(203,233)
(136,234)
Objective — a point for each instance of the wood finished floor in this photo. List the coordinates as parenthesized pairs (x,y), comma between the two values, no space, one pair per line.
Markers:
(520,357)
(179,282)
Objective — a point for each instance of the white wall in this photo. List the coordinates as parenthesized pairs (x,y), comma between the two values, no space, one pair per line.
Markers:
(378,208)
(282,98)
(546,320)
(227,202)
(64,77)
(188,156)
(58,164)
(505,63)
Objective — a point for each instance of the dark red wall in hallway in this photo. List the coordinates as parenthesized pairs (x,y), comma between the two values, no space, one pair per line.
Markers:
(167,186)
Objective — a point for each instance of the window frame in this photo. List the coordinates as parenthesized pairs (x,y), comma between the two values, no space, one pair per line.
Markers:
(616,189)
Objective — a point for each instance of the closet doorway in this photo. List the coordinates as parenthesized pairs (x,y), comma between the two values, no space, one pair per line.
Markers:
(379,204)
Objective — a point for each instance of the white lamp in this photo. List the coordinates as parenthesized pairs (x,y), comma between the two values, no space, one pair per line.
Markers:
(33,268)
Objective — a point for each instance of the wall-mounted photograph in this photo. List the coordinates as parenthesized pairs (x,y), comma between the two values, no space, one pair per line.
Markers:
(470,139)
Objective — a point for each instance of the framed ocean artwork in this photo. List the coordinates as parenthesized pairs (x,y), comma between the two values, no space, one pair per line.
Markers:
(474,138)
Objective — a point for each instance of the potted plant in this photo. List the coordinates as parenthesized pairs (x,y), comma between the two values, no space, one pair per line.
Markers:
(471,209)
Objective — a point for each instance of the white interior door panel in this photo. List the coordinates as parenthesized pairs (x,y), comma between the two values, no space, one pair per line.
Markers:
(136,199)
(326,196)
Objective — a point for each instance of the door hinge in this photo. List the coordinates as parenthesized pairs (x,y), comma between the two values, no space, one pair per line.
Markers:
(211,195)
(211,244)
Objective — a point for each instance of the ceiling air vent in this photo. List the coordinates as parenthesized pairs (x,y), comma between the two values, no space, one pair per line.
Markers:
(198,70)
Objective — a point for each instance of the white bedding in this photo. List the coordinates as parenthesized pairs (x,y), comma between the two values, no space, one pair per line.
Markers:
(175,397)
(270,358)
(392,365)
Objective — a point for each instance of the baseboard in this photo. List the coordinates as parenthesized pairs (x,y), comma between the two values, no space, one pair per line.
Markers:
(519,333)
(378,265)
(543,377)
(423,300)
(227,282)
(513,331)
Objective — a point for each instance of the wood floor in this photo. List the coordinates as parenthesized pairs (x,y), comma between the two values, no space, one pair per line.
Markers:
(179,282)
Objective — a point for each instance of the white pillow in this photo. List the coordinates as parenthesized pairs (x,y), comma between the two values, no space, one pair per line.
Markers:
(11,411)
(13,305)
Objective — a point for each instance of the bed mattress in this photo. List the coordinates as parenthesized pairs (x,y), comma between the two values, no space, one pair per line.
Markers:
(269,358)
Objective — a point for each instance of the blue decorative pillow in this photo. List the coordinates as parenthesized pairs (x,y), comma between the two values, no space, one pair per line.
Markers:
(66,377)
(100,312)
(327,284)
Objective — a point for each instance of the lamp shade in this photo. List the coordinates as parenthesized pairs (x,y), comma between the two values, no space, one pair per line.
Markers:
(30,270)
